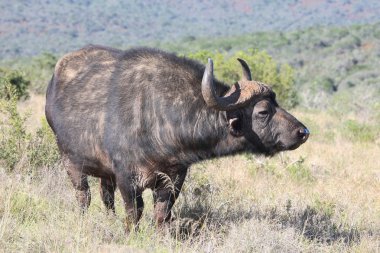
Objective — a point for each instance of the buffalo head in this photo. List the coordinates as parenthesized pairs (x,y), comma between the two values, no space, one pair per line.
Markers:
(254,115)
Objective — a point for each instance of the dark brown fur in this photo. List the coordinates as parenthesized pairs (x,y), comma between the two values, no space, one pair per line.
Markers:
(137,120)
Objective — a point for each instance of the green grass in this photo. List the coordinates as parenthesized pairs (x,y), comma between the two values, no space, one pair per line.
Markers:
(357,131)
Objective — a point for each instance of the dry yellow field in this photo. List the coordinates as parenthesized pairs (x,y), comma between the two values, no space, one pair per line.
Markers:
(322,197)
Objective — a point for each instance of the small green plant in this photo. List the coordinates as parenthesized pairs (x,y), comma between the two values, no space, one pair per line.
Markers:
(266,166)
(28,208)
(325,207)
(299,171)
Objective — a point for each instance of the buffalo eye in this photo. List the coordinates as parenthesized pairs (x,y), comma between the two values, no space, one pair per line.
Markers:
(263,113)
(262,109)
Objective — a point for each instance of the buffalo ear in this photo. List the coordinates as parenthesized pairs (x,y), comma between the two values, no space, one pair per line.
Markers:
(235,126)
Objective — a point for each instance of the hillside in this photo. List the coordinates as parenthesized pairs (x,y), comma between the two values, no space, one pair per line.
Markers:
(28,29)
(334,67)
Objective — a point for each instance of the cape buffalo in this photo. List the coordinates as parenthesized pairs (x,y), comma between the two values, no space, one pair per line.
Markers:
(139,118)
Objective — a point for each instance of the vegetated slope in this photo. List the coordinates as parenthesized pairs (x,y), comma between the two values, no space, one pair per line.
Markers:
(334,67)
(30,28)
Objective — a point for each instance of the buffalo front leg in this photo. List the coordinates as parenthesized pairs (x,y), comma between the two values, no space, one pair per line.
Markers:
(80,183)
(165,194)
(178,181)
(133,201)
(107,192)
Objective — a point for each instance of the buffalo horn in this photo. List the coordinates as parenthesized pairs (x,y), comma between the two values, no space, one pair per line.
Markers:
(246,71)
(239,94)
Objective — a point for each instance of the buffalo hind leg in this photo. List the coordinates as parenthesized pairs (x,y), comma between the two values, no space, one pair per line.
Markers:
(107,192)
(80,184)
(133,201)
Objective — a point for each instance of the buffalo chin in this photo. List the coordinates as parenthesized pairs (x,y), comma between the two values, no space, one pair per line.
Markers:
(279,147)
(282,147)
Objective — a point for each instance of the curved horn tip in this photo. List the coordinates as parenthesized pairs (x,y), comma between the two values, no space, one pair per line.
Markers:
(209,61)
(246,71)
(242,61)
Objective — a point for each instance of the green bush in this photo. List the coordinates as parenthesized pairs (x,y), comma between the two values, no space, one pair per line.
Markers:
(327,84)
(18,148)
(279,76)
(16,80)
(13,135)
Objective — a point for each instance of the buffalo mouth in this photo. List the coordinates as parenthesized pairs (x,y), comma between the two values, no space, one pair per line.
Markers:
(280,146)
(294,146)
(271,150)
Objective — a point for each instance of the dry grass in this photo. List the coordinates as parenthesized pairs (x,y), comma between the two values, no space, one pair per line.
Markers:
(323,197)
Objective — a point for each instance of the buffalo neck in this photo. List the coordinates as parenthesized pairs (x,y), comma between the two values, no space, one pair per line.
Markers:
(215,137)
(228,144)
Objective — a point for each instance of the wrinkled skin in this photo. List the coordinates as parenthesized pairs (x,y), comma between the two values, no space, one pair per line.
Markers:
(137,119)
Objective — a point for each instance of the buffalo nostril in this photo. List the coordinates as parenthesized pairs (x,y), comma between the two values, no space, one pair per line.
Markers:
(303,133)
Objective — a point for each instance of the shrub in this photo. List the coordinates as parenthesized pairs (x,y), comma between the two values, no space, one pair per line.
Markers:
(299,171)
(328,84)
(17,146)
(16,80)
(13,135)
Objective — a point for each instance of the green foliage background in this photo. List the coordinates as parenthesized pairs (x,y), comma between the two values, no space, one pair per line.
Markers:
(263,68)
